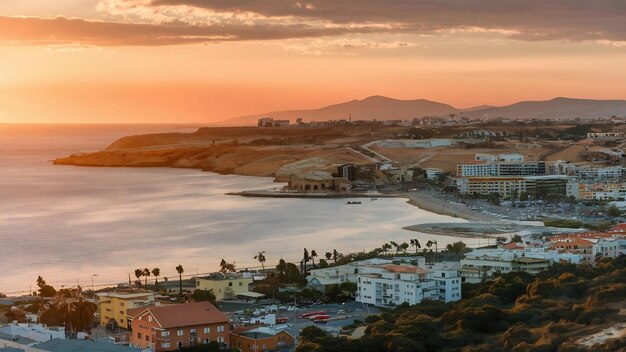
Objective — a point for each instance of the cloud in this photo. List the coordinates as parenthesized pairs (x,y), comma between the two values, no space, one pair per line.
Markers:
(170,22)
(572,20)
(63,31)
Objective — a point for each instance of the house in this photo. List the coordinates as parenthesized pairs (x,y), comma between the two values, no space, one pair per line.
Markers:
(112,306)
(169,328)
(225,286)
(261,338)
(319,279)
(31,334)
(318,181)
(270,122)
(579,246)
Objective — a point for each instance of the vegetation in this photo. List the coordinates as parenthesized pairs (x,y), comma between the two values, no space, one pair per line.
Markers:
(570,224)
(512,312)
(180,270)
(203,296)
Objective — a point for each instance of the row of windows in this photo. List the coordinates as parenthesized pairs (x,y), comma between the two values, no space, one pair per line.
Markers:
(181,344)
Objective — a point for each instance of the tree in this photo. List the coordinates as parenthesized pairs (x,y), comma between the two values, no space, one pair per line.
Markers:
(313,255)
(516,238)
(395,245)
(180,270)
(614,211)
(226,267)
(204,296)
(311,332)
(45,290)
(138,275)
(457,248)
(416,243)
(385,247)
(404,246)
(146,273)
(305,260)
(523,196)
(323,263)
(156,272)
(429,244)
(328,255)
(349,288)
(281,270)
(261,258)
(336,255)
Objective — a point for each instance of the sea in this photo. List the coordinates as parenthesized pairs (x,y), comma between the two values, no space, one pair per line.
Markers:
(93,226)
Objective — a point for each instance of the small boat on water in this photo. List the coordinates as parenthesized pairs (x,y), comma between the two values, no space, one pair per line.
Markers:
(357,202)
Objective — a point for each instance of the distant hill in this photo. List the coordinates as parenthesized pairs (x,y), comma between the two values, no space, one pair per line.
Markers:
(384,108)
(555,108)
(375,107)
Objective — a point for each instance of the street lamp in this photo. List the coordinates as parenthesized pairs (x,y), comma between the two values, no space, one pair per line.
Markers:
(92,290)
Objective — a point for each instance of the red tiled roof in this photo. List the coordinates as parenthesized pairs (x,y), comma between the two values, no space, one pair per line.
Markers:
(512,245)
(187,314)
(403,269)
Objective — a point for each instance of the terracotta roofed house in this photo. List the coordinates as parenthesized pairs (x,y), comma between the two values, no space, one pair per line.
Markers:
(169,328)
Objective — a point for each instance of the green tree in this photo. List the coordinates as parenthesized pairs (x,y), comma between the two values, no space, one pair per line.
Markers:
(156,272)
(404,246)
(138,275)
(456,248)
(311,333)
(281,270)
(305,260)
(614,211)
(395,245)
(146,273)
(226,267)
(313,255)
(203,296)
(261,258)
(523,196)
(336,255)
(328,255)
(180,271)
(415,243)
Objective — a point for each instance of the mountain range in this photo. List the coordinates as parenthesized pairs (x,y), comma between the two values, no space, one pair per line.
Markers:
(384,108)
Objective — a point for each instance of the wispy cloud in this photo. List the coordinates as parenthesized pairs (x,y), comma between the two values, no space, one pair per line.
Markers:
(169,22)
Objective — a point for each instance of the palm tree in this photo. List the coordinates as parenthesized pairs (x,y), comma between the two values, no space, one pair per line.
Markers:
(386,247)
(430,244)
(404,246)
(305,260)
(397,247)
(146,273)
(156,272)
(416,243)
(138,274)
(335,255)
(313,255)
(261,258)
(180,270)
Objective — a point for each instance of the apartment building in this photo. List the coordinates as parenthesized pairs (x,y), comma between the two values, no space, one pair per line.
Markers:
(261,338)
(112,306)
(393,284)
(537,186)
(225,286)
(169,328)
(514,168)
(336,275)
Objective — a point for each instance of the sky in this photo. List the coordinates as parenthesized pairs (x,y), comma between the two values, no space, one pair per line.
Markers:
(203,61)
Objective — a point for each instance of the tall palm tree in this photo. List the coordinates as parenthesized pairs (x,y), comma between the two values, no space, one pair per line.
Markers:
(313,255)
(261,258)
(138,275)
(305,260)
(146,273)
(335,255)
(396,246)
(180,270)
(386,247)
(156,272)
(430,244)
(416,243)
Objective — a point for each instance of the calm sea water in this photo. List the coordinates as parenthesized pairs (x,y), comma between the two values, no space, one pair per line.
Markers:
(68,223)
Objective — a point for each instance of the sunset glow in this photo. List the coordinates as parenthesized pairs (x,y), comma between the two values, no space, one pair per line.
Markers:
(100,61)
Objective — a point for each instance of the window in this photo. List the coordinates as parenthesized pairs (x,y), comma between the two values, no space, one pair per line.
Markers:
(147,337)
(166,345)
(207,330)
(230,284)
(240,283)
(149,317)
(139,335)
(193,331)
(180,332)
(180,344)
(220,328)
(220,339)
(165,333)
(207,341)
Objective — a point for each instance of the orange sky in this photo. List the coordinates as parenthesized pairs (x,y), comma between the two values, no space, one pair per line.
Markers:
(100,61)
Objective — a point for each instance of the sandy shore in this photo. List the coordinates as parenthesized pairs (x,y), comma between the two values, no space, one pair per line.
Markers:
(430,202)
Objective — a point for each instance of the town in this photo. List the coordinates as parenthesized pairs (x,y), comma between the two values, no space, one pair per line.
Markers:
(277,307)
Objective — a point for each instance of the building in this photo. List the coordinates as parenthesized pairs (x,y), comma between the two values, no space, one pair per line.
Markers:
(319,279)
(169,328)
(58,345)
(112,306)
(261,338)
(270,122)
(593,135)
(225,286)
(318,181)
(432,173)
(31,334)
(574,245)
(484,168)
(393,284)
(540,187)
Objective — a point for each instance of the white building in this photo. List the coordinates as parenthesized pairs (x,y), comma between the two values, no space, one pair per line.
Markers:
(336,275)
(432,173)
(34,332)
(393,284)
